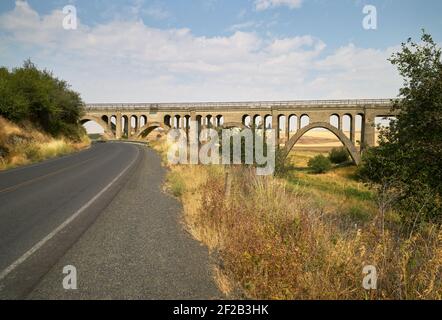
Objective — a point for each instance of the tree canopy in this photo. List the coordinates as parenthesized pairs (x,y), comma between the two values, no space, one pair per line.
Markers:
(409,155)
(29,94)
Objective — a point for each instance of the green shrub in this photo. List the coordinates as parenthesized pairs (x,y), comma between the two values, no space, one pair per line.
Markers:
(319,164)
(30,94)
(339,155)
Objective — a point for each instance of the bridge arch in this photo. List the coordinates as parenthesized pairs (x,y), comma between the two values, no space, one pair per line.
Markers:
(323,125)
(103,124)
(149,127)
(233,125)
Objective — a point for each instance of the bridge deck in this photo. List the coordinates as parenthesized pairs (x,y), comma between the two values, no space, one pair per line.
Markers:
(238,105)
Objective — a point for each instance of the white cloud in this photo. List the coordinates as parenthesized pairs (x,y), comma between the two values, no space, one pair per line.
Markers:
(244,25)
(267,4)
(128,61)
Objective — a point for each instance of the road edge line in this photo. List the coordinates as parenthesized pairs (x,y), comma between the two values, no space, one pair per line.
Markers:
(53,233)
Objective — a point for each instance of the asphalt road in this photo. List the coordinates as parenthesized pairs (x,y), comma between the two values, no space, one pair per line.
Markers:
(103,211)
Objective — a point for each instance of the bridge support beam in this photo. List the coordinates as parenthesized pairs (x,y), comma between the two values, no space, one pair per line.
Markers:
(275,126)
(118,126)
(353,129)
(287,128)
(369,131)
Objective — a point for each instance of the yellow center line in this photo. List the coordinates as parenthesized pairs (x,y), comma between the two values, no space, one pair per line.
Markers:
(25,183)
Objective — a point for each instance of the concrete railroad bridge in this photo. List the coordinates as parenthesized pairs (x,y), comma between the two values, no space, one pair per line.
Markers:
(293,118)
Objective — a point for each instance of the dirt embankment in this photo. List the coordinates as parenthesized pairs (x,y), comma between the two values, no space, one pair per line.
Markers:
(24,144)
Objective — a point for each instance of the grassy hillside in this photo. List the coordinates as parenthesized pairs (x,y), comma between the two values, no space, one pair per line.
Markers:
(24,144)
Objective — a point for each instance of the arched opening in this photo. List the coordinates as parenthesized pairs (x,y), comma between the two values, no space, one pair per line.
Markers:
(152,131)
(133,124)
(317,138)
(177,122)
(359,125)
(246,120)
(96,127)
(347,120)
(143,121)
(113,124)
(209,121)
(282,123)
(219,121)
(168,120)
(93,129)
(305,121)
(268,122)
(186,123)
(257,121)
(293,123)
(125,126)
(335,121)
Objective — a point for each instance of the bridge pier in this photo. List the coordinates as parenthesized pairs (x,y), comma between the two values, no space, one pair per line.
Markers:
(369,131)
(353,129)
(118,126)
(287,128)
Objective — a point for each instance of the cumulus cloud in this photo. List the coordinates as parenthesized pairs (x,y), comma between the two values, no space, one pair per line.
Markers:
(267,4)
(128,61)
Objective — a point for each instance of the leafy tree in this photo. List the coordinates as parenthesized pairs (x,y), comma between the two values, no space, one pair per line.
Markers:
(27,93)
(409,155)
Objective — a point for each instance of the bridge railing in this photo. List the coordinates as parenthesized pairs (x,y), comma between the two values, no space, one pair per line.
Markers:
(246,104)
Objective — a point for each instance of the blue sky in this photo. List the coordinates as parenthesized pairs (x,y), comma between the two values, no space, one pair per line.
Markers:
(207,50)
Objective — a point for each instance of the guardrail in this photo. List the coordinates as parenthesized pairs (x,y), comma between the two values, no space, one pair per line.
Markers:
(246,104)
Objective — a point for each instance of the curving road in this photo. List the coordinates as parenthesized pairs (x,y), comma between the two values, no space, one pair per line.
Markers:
(103,211)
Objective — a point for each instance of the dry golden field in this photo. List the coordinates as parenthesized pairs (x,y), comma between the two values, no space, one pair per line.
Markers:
(303,236)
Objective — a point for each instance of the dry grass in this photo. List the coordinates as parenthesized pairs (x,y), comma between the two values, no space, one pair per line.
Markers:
(21,145)
(304,237)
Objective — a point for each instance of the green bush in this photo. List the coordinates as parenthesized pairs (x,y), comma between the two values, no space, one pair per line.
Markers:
(29,94)
(319,164)
(339,155)
(406,164)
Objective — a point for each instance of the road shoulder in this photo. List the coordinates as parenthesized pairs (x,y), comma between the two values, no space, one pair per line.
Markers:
(136,249)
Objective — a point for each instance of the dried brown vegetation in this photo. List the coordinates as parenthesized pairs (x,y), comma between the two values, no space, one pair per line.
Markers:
(305,237)
(24,144)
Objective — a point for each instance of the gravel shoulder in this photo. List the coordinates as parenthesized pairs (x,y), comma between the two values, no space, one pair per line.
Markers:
(136,249)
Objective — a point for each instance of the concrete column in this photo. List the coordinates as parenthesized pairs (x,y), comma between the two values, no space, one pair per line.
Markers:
(369,131)
(129,127)
(275,126)
(126,128)
(139,124)
(118,126)
(109,123)
(287,129)
(299,122)
(194,143)
(353,129)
